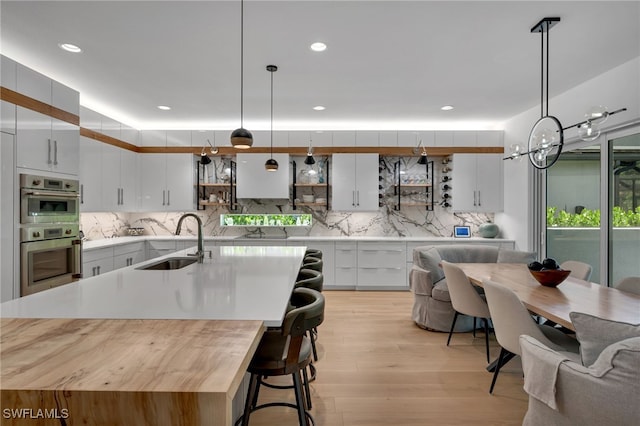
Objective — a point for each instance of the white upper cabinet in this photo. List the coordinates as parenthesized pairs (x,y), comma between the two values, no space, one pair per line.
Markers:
(367,138)
(477,183)
(46,143)
(166,182)
(253,181)
(90,175)
(354,183)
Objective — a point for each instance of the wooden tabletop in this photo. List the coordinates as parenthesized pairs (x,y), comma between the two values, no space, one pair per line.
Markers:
(556,303)
(125,372)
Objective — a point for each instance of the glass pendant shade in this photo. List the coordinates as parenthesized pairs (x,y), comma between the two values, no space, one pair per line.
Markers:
(588,131)
(546,138)
(516,152)
(241,138)
(204,159)
(271,165)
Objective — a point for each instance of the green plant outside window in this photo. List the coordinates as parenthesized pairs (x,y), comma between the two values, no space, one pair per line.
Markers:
(265,220)
(591,218)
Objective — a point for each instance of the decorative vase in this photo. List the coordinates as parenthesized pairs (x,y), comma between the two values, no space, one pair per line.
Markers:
(488,230)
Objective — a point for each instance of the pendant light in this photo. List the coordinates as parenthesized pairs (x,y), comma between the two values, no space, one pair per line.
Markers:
(214,147)
(546,138)
(423,155)
(271,165)
(241,138)
(309,160)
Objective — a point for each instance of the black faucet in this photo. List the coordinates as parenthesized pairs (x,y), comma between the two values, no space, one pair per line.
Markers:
(200,252)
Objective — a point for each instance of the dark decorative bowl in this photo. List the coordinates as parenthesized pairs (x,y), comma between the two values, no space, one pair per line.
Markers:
(550,277)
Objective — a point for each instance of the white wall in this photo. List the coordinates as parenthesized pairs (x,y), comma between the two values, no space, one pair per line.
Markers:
(617,88)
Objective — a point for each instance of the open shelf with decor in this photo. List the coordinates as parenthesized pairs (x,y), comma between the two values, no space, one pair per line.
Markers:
(218,194)
(307,185)
(413,190)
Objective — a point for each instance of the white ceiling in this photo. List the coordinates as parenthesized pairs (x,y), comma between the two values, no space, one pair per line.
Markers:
(389,64)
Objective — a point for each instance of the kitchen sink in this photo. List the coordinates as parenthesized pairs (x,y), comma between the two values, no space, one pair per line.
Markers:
(170,264)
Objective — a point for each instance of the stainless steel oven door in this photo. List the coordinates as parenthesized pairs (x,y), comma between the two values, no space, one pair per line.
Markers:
(40,206)
(49,263)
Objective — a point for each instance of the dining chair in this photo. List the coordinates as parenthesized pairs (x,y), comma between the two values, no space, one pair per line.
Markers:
(511,319)
(578,269)
(465,300)
(286,351)
(629,284)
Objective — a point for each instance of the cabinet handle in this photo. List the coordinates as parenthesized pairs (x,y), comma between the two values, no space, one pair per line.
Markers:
(163,199)
(49,151)
(353,198)
(93,271)
(81,193)
(55,153)
(474,198)
(168,197)
(479,202)
(99,270)
(357,198)
(122,196)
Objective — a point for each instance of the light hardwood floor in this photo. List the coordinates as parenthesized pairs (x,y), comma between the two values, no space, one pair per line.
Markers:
(377,367)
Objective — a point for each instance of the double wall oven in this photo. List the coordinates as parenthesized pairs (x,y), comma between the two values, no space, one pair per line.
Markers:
(50,247)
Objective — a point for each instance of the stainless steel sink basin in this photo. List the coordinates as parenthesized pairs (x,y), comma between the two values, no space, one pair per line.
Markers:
(170,264)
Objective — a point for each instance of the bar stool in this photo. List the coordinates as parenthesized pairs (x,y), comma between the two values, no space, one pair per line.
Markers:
(313,252)
(308,278)
(310,262)
(286,351)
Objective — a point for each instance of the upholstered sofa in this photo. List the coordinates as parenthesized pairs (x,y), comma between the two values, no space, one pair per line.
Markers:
(602,387)
(432,308)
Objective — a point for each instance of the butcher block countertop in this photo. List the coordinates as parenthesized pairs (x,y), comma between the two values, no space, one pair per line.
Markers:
(123,371)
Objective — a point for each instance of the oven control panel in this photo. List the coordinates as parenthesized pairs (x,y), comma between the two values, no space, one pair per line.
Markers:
(49,232)
(47,183)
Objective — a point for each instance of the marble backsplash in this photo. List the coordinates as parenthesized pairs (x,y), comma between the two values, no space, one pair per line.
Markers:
(409,221)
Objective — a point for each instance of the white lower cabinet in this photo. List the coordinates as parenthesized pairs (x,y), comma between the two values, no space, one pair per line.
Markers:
(96,262)
(346,265)
(128,254)
(382,265)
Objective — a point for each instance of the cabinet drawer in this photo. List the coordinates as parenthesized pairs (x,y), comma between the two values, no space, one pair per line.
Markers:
(389,255)
(97,254)
(128,248)
(382,277)
(345,276)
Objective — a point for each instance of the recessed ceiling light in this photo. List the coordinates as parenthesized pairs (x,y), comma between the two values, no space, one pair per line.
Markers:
(70,47)
(319,108)
(318,47)
(447,108)
(164,107)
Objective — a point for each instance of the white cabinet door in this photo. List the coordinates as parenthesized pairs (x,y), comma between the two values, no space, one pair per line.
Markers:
(489,182)
(35,147)
(46,144)
(346,265)
(463,192)
(166,182)
(110,178)
(33,84)
(66,146)
(128,180)
(90,174)
(7,117)
(354,185)
(477,183)
(65,98)
(153,191)
(382,265)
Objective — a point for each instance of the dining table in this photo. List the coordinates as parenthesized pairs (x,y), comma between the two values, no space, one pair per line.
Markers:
(556,303)
(143,345)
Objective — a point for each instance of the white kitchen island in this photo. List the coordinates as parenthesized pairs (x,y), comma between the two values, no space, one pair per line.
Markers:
(235,283)
(137,346)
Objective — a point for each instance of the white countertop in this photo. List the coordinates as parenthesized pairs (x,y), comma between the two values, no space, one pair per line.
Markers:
(109,242)
(238,282)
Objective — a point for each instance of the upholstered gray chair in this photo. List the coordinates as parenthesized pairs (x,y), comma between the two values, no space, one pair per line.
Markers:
(578,269)
(629,284)
(511,319)
(465,300)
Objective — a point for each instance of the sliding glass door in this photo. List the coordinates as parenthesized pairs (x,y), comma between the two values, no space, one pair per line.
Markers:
(624,207)
(593,206)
